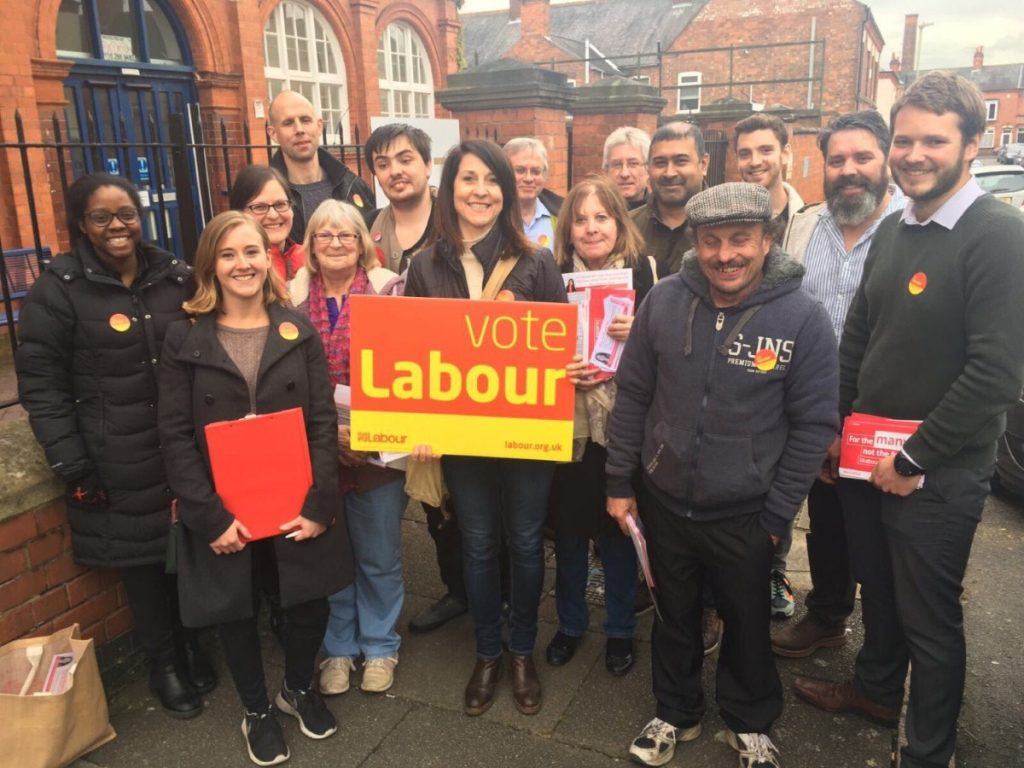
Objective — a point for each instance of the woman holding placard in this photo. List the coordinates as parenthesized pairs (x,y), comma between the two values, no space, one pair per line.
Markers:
(341,263)
(480,251)
(595,233)
(245,353)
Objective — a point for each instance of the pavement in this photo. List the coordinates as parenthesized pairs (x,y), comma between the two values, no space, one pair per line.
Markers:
(589,717)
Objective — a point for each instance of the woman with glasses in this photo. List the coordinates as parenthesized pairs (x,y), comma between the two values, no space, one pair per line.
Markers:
(262,192)
(341,262)
(91,334)
(480,234)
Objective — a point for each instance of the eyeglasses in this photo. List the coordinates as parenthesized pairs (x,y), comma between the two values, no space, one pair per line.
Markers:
(345,238)
(618,165)
(103,218)
(262,209)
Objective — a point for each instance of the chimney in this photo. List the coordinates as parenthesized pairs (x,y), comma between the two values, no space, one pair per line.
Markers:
(513,10)
(910,41)
(536,16)
(894,64)
(979,58)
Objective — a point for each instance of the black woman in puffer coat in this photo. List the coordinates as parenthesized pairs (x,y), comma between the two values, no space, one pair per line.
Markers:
(91,331)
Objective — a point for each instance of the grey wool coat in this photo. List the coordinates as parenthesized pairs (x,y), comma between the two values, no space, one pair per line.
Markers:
(199,384)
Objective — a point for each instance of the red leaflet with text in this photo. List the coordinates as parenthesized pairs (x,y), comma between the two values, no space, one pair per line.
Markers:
(869,439)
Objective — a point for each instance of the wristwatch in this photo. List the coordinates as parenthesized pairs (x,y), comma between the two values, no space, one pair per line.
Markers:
(905,467)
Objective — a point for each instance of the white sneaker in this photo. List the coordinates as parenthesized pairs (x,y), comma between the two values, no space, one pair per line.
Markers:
(657,742)
(335,672)
(379,674)
(756,750)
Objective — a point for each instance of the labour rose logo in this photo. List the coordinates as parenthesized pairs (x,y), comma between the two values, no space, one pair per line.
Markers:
(765,360)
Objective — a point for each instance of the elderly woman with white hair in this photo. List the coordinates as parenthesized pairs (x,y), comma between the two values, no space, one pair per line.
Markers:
(538,206)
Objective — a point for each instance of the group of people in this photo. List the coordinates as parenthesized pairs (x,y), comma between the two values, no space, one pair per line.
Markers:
(760,322)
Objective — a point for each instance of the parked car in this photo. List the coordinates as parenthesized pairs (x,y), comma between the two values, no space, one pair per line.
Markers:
(1008,479)
(1011,154)
(1004,181)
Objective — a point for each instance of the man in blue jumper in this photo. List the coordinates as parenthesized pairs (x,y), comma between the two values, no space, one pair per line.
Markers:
(726,406)
(934,334)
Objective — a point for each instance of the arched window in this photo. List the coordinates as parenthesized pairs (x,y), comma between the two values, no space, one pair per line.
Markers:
(406,83)
(302,54)
(117,30)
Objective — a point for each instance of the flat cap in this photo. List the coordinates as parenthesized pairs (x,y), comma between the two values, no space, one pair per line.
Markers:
(733,203)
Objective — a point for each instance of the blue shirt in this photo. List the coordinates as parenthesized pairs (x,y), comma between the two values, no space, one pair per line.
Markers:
(540,230)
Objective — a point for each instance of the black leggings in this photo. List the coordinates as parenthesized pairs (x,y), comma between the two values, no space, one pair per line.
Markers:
(304,628)
(153,597)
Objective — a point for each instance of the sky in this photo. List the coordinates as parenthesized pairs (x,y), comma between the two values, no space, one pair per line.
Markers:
(957,28)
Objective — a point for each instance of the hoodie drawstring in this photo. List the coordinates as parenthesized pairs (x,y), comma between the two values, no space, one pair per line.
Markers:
(744,319)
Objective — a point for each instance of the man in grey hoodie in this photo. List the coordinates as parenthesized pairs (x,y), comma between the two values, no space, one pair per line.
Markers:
(726,406)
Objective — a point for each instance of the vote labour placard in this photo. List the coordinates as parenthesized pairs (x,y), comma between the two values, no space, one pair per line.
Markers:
(470,378)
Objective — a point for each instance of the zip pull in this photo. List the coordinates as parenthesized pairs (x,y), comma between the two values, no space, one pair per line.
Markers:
(720,321)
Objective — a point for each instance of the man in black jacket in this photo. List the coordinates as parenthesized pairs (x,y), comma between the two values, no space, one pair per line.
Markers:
(313,173)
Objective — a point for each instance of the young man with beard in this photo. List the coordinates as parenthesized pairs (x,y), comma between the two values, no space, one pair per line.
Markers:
(625,163)
(313,173)
(832,240)
(677,164)
(726,406)
(933,334)
(400,156)
(762,150)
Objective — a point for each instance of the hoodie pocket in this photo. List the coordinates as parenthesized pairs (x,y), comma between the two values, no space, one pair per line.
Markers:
(666,456)
(726,471)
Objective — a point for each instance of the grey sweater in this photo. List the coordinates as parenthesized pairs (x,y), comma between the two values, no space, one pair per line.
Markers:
(714,433)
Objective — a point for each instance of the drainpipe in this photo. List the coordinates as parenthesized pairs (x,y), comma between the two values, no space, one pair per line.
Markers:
(810,64)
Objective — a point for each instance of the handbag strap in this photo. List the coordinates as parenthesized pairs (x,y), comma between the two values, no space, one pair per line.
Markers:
(497,279)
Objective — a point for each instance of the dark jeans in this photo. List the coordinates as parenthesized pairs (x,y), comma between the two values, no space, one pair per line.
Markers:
(303,632)
(734,554)
(448,545)
(620,584)
(494,497)
(153,597)
(909,554)
(831,598)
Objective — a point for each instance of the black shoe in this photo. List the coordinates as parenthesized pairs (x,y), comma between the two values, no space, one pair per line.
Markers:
(441,612)
(175,695)
(263,738)
(196,667)
(618,655)
(315,719)
(561,649)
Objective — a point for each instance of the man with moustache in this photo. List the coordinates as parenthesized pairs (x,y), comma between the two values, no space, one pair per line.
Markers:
(625,163)
(933,334)
(762,150)
(400,156)
(726,405)
(832,240)
(677,164)
(313,173)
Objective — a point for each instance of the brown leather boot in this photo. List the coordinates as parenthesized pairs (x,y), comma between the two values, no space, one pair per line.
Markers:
(480,688)
(844,697)
(525,685)
(799,640)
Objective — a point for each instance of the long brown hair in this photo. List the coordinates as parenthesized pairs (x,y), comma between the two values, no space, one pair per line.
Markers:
(509,222)
(628,242)
(208,296)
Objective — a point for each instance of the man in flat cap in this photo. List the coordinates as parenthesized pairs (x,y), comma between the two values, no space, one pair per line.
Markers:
(726,406)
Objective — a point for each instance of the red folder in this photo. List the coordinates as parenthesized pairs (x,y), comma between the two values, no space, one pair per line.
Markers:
(261,468)
(869,439)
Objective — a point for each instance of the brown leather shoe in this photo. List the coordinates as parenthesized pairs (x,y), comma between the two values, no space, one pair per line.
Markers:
(711,630)
(525,685)
(480,688)
(844,697)
(800,640)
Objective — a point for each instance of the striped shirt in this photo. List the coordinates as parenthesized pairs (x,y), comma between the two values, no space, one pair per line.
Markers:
(833,275)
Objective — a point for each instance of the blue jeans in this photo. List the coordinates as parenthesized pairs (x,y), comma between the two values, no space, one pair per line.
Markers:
(364,614)
(494,497)
(619,560)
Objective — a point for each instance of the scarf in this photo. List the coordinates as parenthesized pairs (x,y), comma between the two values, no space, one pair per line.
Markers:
(336,341)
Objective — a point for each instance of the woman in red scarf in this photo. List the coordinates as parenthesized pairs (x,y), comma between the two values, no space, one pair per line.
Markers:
(262,192)
(341,262)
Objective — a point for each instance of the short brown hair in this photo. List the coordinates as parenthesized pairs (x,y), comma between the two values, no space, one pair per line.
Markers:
(762,122)
(628,241)
(942,92)
(208,296)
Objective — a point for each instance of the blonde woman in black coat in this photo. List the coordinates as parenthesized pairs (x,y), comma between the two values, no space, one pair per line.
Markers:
(246,353)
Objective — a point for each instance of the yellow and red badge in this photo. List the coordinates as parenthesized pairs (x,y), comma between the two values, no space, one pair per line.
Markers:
(544,240)
(505,295)
(917,283)
(120,322)
(765,360)
(358,200)
(288,331)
